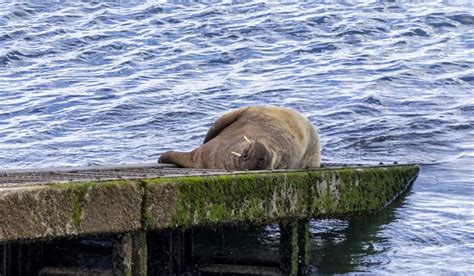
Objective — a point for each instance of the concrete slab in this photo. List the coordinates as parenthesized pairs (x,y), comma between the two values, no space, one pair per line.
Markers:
(51,203)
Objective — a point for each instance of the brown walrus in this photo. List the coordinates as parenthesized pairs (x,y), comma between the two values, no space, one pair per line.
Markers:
(254,138)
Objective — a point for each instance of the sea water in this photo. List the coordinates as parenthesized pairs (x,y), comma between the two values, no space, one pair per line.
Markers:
(111,82)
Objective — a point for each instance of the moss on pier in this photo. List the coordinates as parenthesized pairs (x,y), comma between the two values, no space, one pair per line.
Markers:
(79,190)
(264,197)
(294,248)
(103,204)
(146,218)
(80,193)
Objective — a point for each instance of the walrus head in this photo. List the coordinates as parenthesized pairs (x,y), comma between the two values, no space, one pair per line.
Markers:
(238,154)
(251,155)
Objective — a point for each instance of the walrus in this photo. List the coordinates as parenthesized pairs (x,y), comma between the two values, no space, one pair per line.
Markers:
(254,138)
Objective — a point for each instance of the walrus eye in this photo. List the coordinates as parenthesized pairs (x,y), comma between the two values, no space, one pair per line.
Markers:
(260,163)
(246,154)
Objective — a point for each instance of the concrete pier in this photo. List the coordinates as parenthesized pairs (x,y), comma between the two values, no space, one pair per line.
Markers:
(152,204)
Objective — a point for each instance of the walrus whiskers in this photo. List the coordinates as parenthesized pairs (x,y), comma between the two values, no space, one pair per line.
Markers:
(235,153)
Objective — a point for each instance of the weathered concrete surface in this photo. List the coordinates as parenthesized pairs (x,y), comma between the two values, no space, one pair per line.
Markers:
(64,210)
(111,207)
(38,210)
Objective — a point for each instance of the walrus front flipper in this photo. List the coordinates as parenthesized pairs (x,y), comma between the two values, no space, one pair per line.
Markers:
(182,159)
(223,122)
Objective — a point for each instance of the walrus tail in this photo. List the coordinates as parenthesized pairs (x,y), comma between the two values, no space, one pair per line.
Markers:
(182,159)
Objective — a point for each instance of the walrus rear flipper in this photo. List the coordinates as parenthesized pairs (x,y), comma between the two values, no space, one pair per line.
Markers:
(182,159)
(223,122)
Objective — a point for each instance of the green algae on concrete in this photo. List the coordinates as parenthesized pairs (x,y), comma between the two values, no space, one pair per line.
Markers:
(57,210)
(105,206)
(260,198)
(79,194)
(295,247)
(139,253)
(241,198)
(351,191)
(128,205)
(129,255)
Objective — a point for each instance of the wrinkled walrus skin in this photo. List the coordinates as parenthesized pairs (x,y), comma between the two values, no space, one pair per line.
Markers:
(254,138)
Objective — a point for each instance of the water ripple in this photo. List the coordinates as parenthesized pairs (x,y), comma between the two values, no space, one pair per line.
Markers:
(101,82)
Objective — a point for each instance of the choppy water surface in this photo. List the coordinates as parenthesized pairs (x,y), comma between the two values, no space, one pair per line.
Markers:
(108,82)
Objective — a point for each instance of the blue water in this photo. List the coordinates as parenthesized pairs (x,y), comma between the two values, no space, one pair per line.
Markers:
(107,82)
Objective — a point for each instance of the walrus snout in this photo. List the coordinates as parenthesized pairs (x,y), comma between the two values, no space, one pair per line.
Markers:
(255,157)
